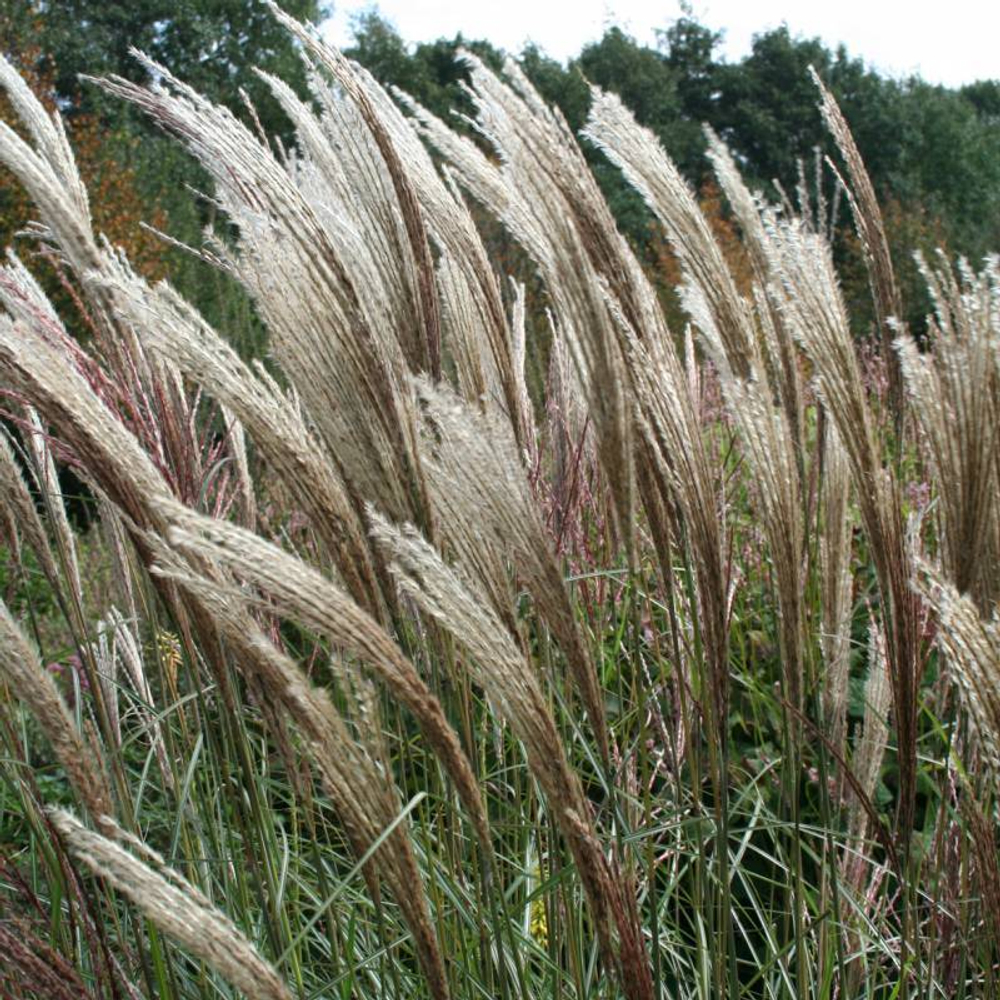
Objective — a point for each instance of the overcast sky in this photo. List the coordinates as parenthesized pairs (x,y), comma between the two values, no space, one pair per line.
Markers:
(950,43)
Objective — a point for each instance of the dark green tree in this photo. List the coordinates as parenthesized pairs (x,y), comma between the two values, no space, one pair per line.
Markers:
(951,163)
(381,50)
(767,106)
(430,72)
(565,87)
(984,96)
(689,49)
(213,45)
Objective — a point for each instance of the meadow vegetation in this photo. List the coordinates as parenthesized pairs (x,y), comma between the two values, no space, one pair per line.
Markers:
(386,669)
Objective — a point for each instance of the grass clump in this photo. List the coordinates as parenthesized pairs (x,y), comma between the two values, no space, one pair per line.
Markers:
(403,682)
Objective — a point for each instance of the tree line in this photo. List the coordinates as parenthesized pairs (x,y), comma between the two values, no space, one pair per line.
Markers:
(933,152)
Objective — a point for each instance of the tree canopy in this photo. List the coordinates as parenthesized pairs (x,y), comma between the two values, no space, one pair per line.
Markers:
(214,45)
(933,152)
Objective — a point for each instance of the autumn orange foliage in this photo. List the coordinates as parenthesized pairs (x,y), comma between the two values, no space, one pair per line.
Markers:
(664,269)
(102,157)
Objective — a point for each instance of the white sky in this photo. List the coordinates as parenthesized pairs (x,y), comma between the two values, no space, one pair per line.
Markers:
(950,43)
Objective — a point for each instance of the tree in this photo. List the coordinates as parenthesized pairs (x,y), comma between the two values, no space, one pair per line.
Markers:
(382,51)
(430,72)
(767,107)
(213,45)
(105,162)
(565,87)
(641,76)
(951,162)
(133,174)
(689,48)
(984,96)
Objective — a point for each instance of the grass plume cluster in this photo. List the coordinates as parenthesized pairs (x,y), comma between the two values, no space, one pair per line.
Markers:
(408,681)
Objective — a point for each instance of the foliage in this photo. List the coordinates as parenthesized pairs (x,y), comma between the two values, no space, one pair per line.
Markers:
(204,41)
(940,166)
(106,163)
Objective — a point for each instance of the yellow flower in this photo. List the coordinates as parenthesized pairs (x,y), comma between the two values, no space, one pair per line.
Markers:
(538,925)
(169,647)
